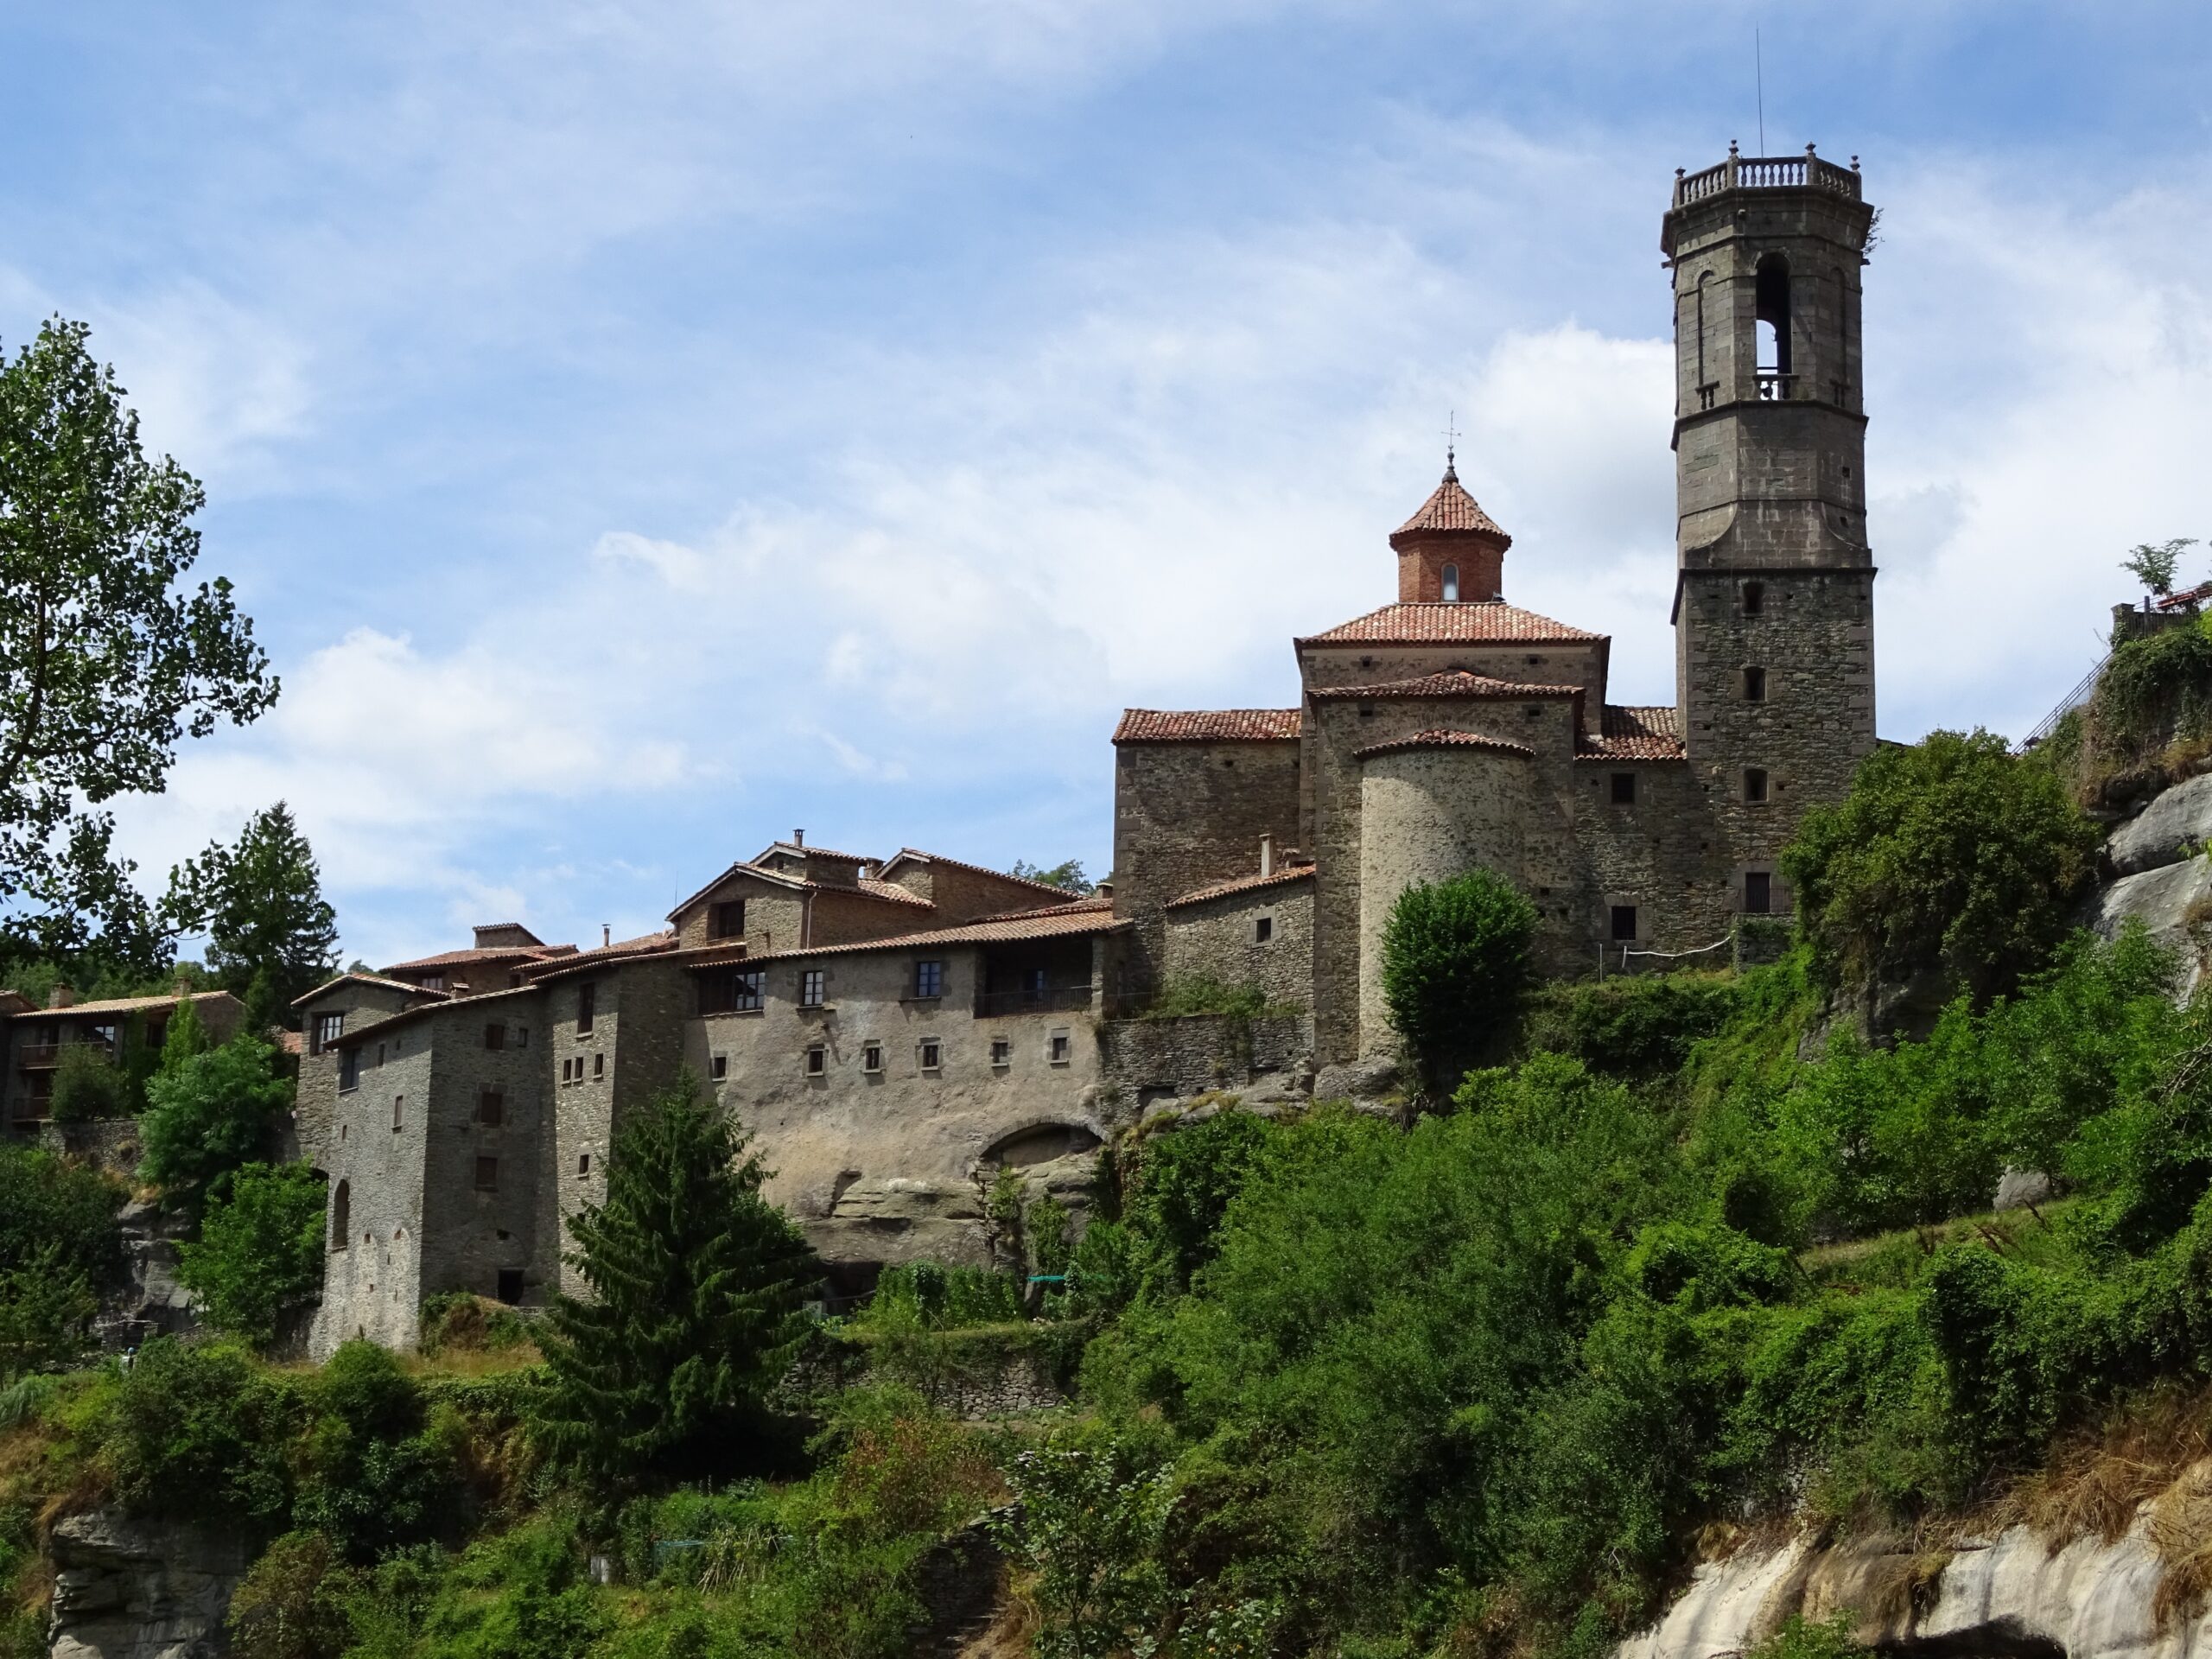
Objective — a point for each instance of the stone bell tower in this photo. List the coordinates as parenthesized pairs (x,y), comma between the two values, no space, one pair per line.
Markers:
(1774,585)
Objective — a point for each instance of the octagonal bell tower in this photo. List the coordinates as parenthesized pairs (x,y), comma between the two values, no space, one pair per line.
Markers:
(1774,585)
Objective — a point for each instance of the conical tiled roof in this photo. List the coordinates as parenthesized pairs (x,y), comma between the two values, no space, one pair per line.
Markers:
(1451,508)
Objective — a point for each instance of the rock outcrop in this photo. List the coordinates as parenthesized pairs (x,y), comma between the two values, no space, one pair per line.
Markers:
(2172,901)
(130,1589)
(2010,1594)
(151,1302)
(2166,831)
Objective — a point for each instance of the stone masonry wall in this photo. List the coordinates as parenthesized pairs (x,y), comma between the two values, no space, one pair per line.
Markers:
(1188,815)
(474,1229)
(882,1166)
(1219,939)
(372,1287)
(1152,1060)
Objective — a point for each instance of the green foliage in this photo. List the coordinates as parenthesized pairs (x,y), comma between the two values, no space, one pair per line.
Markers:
(936,1297)
(48,1202)
(209,1116)
(1951,855)
(1634,1025)
(260,903)
(1180,1188)
(2157,687)
(198,1432)
(455,1321)
(2153,563)
(259,1253)
(1089,1526)
(371,1475)
(184,1038)
(1193,995)
(1455,962)
(110,660)
(1800,1638)
(1068,875)
(88,1085)
(46,1312)
(696,1282)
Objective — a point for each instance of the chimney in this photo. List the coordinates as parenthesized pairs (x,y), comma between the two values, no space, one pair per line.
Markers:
(1106,889)
(1267,854)
(799,837)
(606,934)
(60,996)
(183,988)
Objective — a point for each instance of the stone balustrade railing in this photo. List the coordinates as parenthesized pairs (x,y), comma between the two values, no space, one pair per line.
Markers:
(1739,171)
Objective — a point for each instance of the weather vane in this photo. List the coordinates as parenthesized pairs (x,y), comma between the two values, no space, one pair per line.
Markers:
(1450,440)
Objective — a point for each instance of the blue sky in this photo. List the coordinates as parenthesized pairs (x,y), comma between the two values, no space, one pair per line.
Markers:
(638,431)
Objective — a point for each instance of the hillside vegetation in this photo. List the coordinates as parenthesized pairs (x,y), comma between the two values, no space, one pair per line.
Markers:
(1699,1257)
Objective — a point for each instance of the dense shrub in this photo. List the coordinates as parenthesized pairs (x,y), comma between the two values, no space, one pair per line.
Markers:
(371,1474)
(1455,962)
(1635,1025)
(199,1432)
(210,1115)
(1180,1187)
(49,1202)
(88,1085)
(259,1253)
(46,1314)
(1951,855)
(937,1297)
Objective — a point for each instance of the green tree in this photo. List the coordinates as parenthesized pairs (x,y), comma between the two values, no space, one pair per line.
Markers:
(1090,1529)
(46,1309)
(1951,855)
(184,1036)
(695,1282)
(2153,563)
(107,659)
(259,1253)
(209,1116)
(1068,875)
(1455,962)
(260,903)
(88,1084)
(45,1200)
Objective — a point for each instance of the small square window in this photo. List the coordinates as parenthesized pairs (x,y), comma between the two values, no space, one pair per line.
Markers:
(932,1053)
(748,994)
(566,1070)
(811,985)
(398,1111)
(1001,1051)
(1755,783)
(1624,922)
(583,1163)
(871,1056)
(1624,789)
(817,1061)
(599,1066)
(1532,711)
(495,1036)
(328,1029)
(726,920)
(1263,930)
(1758,891)
(1062,1049)
(491,1109)
(929,979)
(487,1174)
(1755,685)
(719,1067)
(522,1036)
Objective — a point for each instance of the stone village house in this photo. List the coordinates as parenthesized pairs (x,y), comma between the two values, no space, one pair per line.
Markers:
(893,1032)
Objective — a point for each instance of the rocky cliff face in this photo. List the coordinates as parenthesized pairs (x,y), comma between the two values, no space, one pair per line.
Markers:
(2160,876)
(2010,1595)
(127,1589)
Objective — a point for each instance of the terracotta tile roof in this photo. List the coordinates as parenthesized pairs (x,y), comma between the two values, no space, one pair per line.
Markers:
(490,954)
(1433,622)
(1445,740)
(808,851)
(364,979)
(1245,884)
(1041,889)
(645,944)
(1091,906)
(1646,732)
(1206,726)
(1451,508)
(1055,921)
(888,890)
(133,1004)
(1452,683)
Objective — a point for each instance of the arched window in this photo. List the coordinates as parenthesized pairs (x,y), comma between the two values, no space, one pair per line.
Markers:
(341,1216)
(1770,295)
(1451,584)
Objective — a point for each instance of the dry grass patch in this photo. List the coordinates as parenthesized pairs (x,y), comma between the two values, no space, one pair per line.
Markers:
(2098,1477)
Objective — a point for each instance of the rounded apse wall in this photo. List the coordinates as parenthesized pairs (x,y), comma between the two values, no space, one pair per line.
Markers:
(1430,808)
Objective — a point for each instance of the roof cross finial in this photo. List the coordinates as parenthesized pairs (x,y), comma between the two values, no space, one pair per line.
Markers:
(1452,445)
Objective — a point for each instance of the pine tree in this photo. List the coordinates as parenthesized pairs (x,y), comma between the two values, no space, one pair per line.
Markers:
(695,1282)
(262,906)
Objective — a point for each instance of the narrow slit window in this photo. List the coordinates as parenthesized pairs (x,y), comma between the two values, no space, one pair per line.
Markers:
(872,1057)
(1451,584)
(583,1163)
(341,1216)
(1263,930)
(719,1067)
(1754,598)
(587,1006)
(932,1056)
(1755,685)
(599,1066)
(398,1111)
(817,1061)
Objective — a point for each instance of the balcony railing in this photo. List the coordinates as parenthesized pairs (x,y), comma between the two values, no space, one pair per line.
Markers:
(1775,387)
(32,1054)
(1802,172)
(1047,999)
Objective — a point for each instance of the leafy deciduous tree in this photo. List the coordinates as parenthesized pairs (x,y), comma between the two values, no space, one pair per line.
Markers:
(208,1116)
(2153,563)
(1068,875)
(105,662)
(696,1281)
(1952,855)
(259,1253)
(1455,962)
